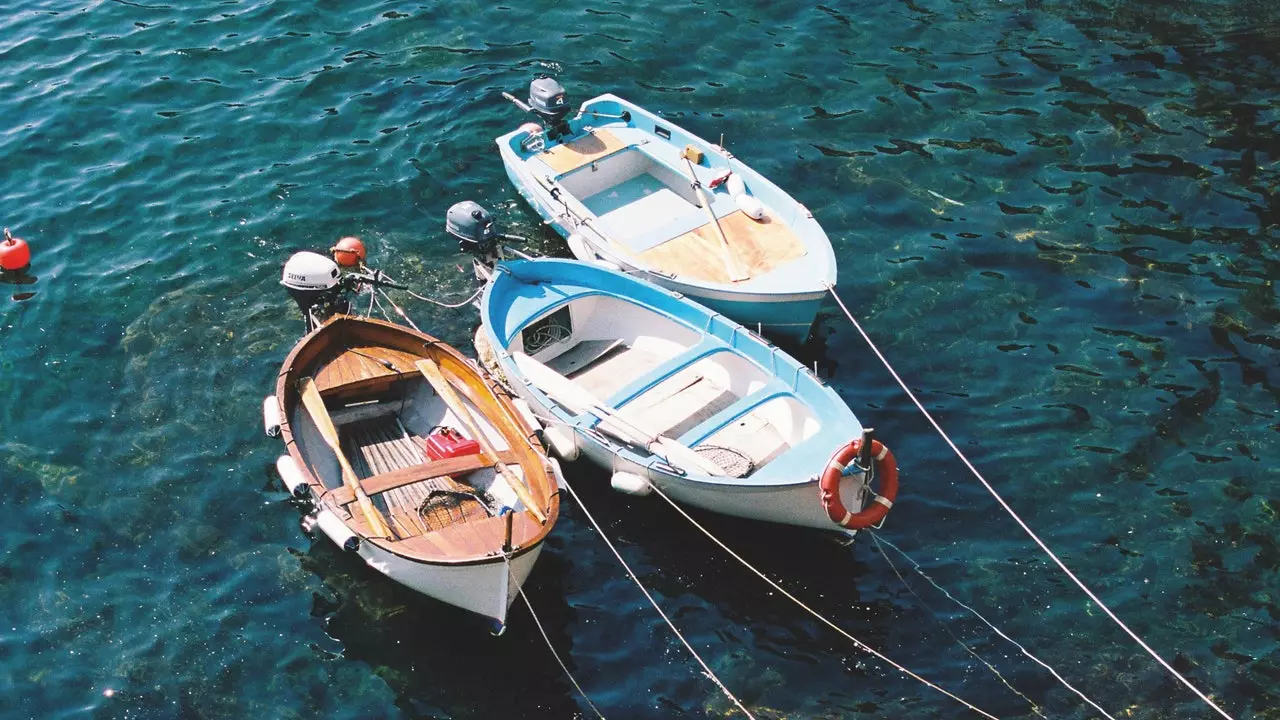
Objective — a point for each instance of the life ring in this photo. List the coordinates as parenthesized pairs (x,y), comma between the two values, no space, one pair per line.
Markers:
(829,486)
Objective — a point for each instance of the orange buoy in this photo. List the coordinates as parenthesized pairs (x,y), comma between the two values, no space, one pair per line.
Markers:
(14,252)
(349,252)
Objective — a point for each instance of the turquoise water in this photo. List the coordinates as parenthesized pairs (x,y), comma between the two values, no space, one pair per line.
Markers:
(1058,220)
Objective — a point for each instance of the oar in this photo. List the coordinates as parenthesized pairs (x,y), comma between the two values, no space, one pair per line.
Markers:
(736,273)
(431,371)
(320,416)
(578,399)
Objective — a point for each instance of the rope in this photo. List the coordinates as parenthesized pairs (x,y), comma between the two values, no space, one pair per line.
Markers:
(916,566)
(705,668)
(861,645)
(474,295)
(556,655)
(1026,528)
(395,307)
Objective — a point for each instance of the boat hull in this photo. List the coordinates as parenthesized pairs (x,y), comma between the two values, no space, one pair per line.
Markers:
(486,588)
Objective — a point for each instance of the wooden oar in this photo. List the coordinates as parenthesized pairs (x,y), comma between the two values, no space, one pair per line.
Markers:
(736,272)
(320,416)
(578,399)
(431,371)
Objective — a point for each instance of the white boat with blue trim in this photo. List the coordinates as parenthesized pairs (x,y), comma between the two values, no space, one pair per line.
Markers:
(633,191)
(666,393)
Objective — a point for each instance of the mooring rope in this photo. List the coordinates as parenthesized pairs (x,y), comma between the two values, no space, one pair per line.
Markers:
(875,537)
(395,307)
(1026,528)
(857,643)
(634,578)
(556,655)
(474,295)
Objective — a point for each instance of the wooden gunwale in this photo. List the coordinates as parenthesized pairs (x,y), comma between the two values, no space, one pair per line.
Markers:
(400,346)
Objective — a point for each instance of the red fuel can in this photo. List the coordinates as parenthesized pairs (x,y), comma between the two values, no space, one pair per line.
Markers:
(445,442)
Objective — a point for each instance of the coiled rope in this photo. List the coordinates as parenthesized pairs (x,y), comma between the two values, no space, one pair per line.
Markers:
(705,668)
(800,603)
(1026,528)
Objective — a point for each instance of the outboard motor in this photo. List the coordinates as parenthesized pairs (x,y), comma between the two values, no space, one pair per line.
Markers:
(475,230)
(314,282)
(547,100)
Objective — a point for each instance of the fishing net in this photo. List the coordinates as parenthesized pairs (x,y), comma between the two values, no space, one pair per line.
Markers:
(445,507)
(733,462)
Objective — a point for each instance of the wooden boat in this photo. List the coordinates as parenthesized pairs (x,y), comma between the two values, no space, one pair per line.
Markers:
(669,394)
(414,462)
(614,180)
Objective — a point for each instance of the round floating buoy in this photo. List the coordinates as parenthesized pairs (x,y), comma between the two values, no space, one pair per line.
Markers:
(14,252)
(829,486)
(349,252)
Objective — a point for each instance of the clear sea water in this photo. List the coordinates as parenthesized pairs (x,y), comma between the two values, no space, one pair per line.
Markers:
(1057,219)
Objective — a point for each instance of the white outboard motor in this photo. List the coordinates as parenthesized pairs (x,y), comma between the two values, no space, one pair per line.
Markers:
(314,282)
(547,100)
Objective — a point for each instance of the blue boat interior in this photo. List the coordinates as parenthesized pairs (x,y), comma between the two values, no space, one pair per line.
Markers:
(674,369)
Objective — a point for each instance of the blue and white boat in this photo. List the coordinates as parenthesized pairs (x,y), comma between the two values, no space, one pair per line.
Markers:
(666,393)
(614,180)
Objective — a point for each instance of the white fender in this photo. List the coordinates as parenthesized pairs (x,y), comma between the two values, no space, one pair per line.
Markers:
(337,531)
(292,476)
(271,416)
(558,473)
(750,206)
(735,185)
(526,412)
(563,441)
(578,247)
(630,483)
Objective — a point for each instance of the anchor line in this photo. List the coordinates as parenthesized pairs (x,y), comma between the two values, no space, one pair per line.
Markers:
(556,655)
(857,643)
(875,537)
(706,669)
(1021,523)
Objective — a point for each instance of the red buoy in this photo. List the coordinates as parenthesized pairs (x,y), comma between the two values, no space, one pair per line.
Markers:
(14,253)
(349,252)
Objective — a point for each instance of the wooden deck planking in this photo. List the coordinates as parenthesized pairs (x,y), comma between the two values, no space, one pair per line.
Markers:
(759,246)
(573,155)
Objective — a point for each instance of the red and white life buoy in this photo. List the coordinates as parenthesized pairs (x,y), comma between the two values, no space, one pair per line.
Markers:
(874,512)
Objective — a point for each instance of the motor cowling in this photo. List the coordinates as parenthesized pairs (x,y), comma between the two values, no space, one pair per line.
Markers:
(314,282)
(548,100)
(474,227)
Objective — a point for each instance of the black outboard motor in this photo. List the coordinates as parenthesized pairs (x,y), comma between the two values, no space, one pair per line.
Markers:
(314,282)
(547,100)
(475,230)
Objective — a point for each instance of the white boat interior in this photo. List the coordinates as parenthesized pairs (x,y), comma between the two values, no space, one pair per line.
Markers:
(669,380)
(636,192)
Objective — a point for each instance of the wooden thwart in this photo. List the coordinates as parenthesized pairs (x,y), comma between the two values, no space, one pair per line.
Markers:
(573,155)
(461,465)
